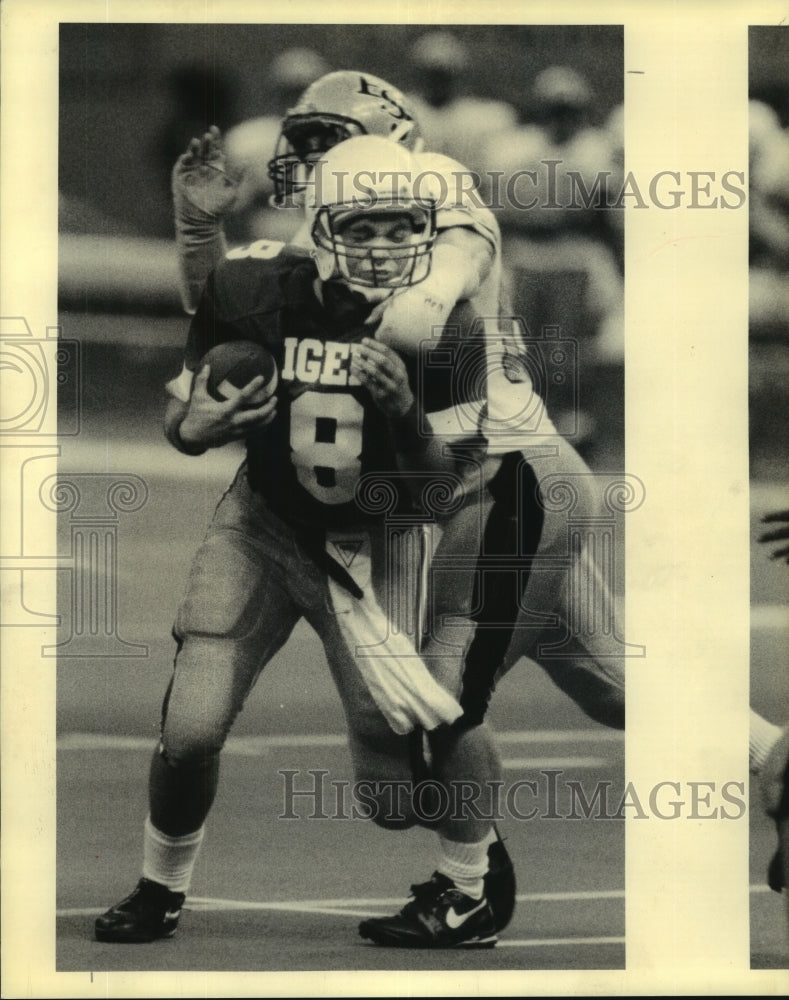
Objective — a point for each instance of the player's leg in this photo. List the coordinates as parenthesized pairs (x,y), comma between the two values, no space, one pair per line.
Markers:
(499,575)
(763,736)
(570,617)
(238,610)
(774,789)
(473,886)
(399,791)
(360,639)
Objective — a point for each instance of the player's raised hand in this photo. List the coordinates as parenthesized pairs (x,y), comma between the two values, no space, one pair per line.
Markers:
(202,178)
(778,534)
(382,371)
(210,422)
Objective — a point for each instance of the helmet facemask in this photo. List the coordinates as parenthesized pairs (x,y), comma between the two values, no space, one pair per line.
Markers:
(375,247)
(303,140)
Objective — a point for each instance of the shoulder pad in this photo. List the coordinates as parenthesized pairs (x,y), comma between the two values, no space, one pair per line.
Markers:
(270,250)
(249,278)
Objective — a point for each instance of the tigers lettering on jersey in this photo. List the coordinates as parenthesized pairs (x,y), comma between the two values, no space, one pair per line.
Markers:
(317,362)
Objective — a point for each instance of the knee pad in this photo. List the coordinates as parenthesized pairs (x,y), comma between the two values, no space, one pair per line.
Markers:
(223,594)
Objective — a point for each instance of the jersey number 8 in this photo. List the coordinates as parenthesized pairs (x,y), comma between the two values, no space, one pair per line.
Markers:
(326,440)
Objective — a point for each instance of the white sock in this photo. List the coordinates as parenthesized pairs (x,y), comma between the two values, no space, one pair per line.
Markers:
(761,739)
(170,860)
(465,864)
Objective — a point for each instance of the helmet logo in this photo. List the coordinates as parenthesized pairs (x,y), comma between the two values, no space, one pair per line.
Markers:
(393,107)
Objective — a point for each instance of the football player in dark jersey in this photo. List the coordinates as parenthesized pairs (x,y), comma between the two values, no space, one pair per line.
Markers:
(466,263)
(345,412)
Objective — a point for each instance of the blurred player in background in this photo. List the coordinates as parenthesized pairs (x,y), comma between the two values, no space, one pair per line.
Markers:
(768,215)
(768,288)
(561,265)
(453,122)
(769,757)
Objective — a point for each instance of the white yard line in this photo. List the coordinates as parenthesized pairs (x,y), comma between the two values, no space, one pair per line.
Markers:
(558,942)
(369,907)
(254,745)
(360,907)
(768,617)
(526,763)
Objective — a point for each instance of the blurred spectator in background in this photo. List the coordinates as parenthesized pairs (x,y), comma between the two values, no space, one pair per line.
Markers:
(768,283)
(769,222)
(453,122)
(561,248)
(197,95)
(562,256)
(251,144)
(615,219)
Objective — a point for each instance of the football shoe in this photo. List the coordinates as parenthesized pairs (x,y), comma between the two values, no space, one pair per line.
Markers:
(149,912)
(438,915)
(500,884)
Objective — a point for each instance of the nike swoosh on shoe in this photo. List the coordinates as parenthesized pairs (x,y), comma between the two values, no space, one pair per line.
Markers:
(455,919)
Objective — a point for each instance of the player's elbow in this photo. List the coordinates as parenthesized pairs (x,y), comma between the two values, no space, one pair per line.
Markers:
(463,251)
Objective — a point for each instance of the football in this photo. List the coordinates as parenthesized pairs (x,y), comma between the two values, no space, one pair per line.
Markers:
(234,364)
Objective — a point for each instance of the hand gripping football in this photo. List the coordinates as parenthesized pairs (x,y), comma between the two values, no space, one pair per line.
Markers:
(234,364)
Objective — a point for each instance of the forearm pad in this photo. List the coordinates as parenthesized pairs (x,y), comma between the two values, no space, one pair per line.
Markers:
(201,245)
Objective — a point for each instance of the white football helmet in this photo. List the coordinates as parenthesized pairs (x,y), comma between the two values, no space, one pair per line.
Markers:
(371,225)
(336,107)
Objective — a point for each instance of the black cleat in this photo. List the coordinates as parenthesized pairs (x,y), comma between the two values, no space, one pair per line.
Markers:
(151,911)
(438,916)
(500,885)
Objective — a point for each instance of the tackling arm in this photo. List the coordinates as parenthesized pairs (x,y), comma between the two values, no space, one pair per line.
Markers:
(463,267)
(203,193)
(462,260)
